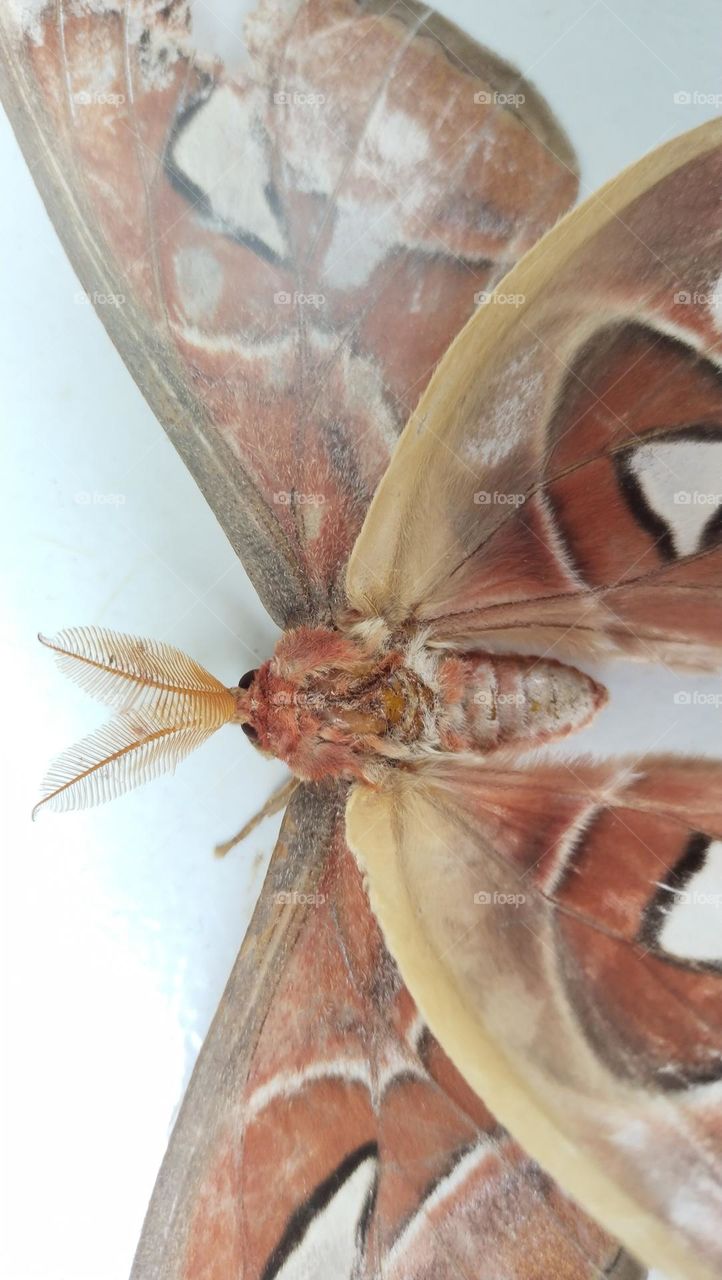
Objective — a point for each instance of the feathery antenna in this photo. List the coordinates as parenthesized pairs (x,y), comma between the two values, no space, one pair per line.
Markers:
(168,703)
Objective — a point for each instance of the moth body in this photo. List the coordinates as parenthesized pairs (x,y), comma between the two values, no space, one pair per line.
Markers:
(332,705)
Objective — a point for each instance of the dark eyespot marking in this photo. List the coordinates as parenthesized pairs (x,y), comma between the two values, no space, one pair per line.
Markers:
(247,680)
(250,732)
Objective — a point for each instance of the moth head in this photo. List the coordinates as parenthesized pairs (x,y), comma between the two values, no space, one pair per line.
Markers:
(245,698)
(166,705)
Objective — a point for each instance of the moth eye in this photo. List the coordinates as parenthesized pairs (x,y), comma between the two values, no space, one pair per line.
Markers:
(250,732)
(247,680)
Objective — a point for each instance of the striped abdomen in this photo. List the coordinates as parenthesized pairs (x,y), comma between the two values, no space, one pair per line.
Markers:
(492,700)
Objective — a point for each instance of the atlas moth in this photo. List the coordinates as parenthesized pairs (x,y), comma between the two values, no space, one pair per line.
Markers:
(505,1061)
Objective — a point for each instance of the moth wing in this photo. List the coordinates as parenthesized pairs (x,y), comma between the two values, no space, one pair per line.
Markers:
(558,928)
(251,239)
(325,1134)
(560,482)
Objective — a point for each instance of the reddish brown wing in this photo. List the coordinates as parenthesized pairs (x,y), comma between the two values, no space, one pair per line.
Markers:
(325,1134)
(283,256)
(561,481)
(569,960)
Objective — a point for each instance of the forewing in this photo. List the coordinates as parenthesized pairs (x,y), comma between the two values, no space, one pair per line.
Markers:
(324,1133)
(281,254)
(560,483)
(558,928)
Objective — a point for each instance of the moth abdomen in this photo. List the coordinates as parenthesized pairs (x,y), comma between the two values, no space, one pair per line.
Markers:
(490,701)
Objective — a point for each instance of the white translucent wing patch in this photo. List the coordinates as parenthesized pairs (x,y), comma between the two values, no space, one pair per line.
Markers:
(328,1243)
(237,195)
(692,923)
(681,484)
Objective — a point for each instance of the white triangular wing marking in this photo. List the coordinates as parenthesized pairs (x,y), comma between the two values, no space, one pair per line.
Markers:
(682,484)
(692,928)
(221,151)
(332,1244)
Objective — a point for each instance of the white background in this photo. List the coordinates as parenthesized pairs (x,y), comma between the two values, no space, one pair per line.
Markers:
(120,927)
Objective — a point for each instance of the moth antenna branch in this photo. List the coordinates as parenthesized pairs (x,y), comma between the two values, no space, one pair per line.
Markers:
(127,671)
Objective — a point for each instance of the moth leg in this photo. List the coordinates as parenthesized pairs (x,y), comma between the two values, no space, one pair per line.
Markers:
(277,800)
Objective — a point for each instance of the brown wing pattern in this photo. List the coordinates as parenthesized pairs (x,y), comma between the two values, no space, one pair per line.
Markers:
(325,1134)
(564,469)
(569,959)
(282,255)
